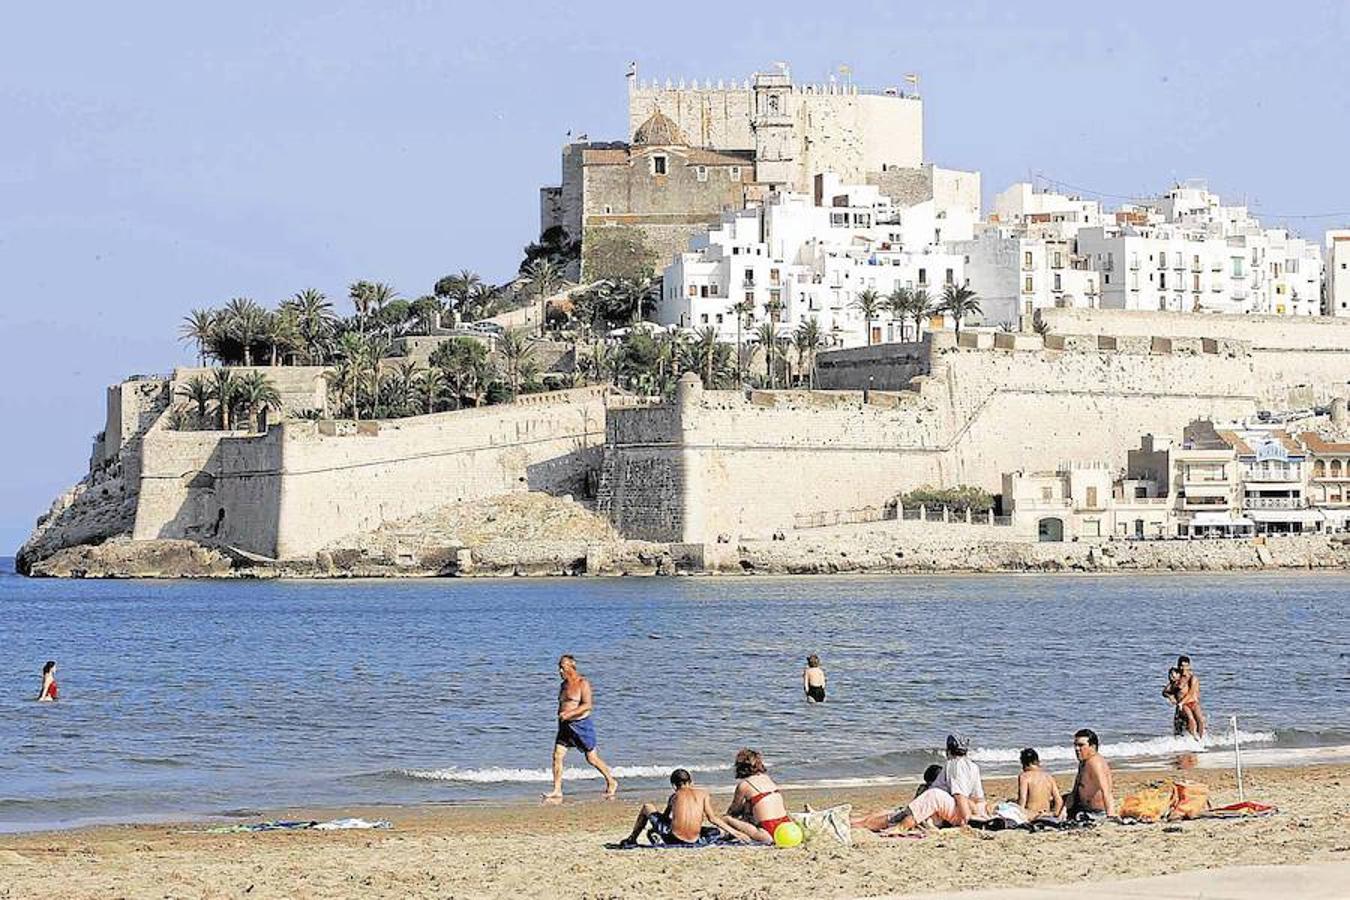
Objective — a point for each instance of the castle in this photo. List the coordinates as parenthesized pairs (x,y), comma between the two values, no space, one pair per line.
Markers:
(697,150)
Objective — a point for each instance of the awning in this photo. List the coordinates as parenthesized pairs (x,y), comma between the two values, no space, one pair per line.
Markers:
(1219,520)
(1304,516)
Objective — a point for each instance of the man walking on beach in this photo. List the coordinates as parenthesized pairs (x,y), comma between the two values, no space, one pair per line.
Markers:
(575,728)
(1092,787)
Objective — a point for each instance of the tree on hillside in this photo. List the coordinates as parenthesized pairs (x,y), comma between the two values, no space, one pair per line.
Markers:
(462,360)
(254,394)
(199,326)
(224,390)
(898,304)
(427,311)
(868,302)
(198,392)
(767,338)
(808,340)
(544,279)
(959,302)
(920,307)
(744,311)
(555,245)
(458,289)
(515,349)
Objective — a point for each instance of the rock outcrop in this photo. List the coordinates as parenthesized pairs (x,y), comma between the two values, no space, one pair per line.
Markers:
(100,507)
(134,559)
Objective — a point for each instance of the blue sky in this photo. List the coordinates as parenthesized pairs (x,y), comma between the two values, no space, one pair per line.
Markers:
(158,157)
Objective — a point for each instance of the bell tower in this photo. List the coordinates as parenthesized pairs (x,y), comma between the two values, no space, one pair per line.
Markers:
(771,123)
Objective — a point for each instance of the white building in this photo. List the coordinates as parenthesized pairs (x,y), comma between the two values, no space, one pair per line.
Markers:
(800,257)
(1337,299)
(1184,252)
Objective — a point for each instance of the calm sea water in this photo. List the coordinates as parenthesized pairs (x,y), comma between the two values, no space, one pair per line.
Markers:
(205,698)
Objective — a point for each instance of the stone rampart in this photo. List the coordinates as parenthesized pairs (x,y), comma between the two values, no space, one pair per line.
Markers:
(302,388)
(750,465)
(304,485)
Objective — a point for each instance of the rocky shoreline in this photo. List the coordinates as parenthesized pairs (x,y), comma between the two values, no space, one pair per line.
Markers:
(865,552)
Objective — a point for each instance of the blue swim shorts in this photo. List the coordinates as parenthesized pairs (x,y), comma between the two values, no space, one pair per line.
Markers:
(578,733)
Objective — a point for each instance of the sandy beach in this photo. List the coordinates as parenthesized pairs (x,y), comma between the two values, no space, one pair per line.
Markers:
(522,849)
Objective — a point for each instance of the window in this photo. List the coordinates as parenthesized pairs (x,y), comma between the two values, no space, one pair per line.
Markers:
(693,290)
(1029,286)
(719,318)
(1162,280)
(1162,260)
(749,296)
(702,173)
(1058,285)
(1106,279)
(773,276)
(703,291)
(923,276)
(658,164)
(1059,260)
(1335,468)
(1237,266)
(1047,494)
(1092,498)
(608,209)
(951,277)
(734,173)
(712,289)
(750,276)
(704,318)
(1026,259)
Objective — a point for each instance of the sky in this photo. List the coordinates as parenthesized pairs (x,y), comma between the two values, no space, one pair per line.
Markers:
(157,157)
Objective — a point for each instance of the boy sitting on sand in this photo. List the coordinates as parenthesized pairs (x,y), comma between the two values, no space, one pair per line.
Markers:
(682,821)
(1037,792)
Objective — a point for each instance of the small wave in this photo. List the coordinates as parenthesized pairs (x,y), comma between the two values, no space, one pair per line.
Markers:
(504,775)
(1159,746)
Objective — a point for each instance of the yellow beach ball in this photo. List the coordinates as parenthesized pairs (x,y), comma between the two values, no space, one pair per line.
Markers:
(789,834)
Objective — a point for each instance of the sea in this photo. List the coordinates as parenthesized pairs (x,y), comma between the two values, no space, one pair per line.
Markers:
(205,699)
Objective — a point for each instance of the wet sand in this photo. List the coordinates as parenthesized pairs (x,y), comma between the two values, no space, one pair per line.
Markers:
(527,850)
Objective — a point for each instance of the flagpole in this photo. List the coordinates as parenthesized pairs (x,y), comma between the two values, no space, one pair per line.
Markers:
(1237,758)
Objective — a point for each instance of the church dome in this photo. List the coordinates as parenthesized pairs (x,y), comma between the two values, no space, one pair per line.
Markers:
(659,130)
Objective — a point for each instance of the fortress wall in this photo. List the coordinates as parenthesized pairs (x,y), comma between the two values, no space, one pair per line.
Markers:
(642,485)
(189,478)
(132,408)
(339,484)
(708,117)
(301,387)
(1296,361)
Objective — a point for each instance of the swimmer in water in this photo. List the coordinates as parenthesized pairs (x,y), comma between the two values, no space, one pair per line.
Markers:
(49,691)
(813,680)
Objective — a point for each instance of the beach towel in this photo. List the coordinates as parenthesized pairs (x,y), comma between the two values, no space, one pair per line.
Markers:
(1189,799)
(826,824)
(660,838)
(301,825)
(1241,811)
(1148,805)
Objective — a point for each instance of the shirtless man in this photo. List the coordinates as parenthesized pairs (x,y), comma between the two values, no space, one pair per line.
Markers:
(1189,703)
(575,728)
(1092,787)
(681,822)
(1172,693)
(1037,793)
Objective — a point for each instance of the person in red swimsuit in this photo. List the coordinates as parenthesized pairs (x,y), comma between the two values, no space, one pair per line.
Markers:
(757,808)
(48,692)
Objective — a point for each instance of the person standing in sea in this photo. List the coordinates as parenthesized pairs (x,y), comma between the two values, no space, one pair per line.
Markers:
(813,680)
(49,691)
(575,728)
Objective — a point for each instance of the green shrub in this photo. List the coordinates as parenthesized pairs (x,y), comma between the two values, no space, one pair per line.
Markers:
(959,499)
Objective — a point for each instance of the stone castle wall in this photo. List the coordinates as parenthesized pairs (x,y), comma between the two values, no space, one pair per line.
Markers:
(981,407)
(304,485)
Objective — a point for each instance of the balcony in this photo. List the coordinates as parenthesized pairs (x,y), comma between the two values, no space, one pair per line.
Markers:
(1274,503)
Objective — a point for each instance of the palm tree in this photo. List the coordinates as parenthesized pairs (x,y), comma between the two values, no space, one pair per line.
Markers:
(197,391)
(314,320)
(960,302)
(381,294)
(224,388)
(354,351)
(406,383)
(459,288)
(255,393)
(428,311)
(515,349)
(745,314)
(341,380)
(431,388)
(808,340)
(897,304)
(282,331)
(544,278)
(868,302)
(767,338)
(199,325)
(360,294)
(920,307)
(247,324)
(703,354)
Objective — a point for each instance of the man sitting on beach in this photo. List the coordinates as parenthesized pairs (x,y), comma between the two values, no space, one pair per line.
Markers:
(575,728)
(961,778)
(682,821)
(1037,793)
(1092,787)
